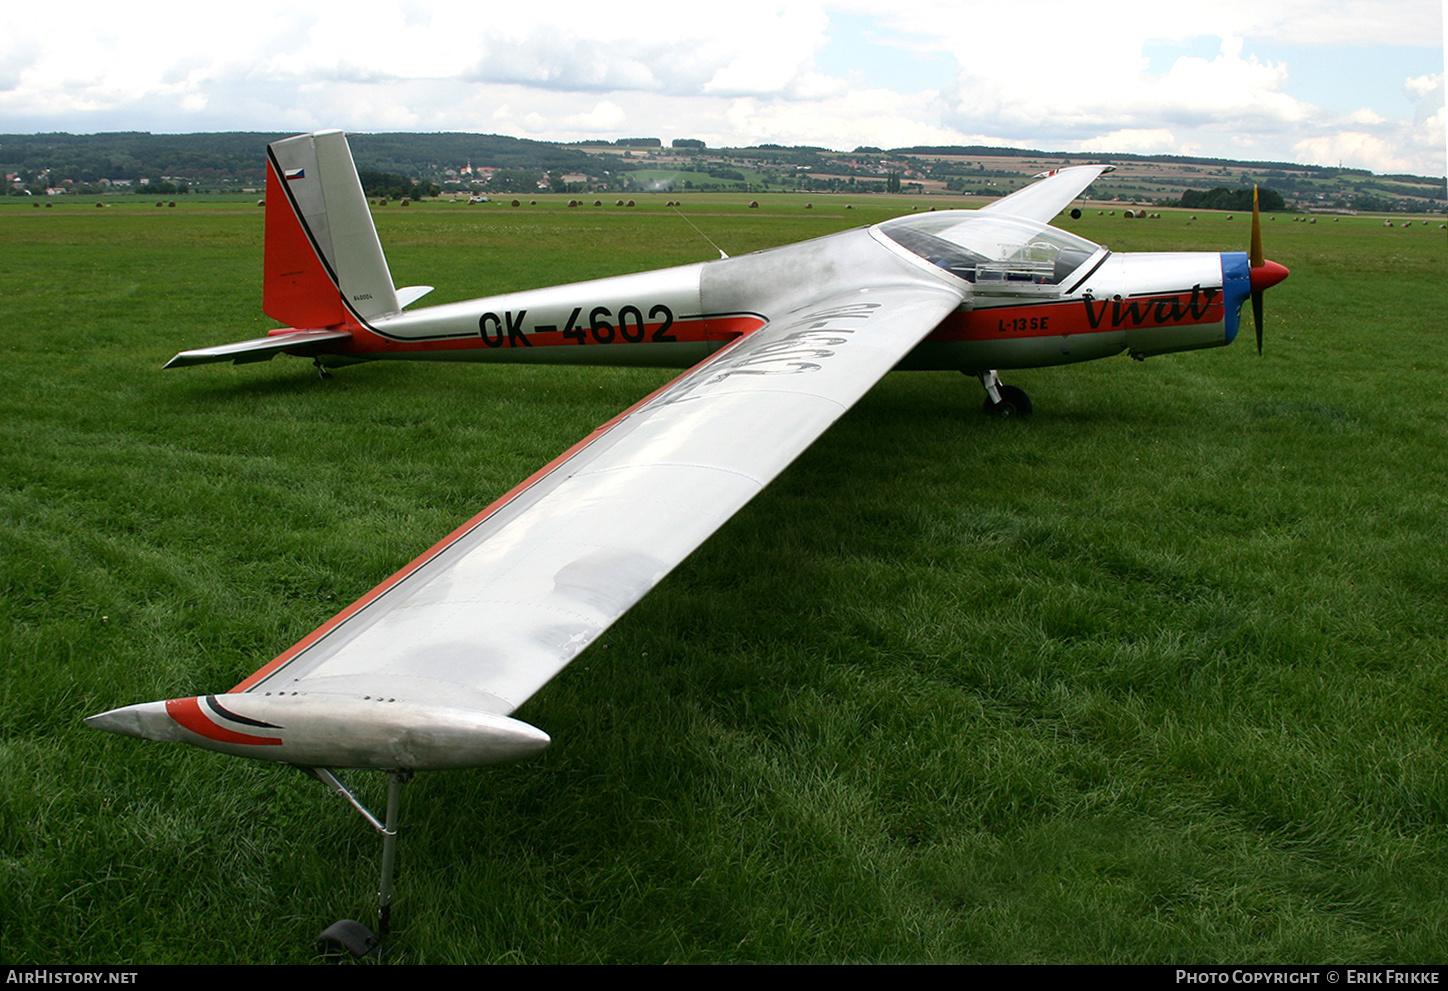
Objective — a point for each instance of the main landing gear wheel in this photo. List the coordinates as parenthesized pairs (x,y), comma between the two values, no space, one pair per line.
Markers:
(1003,400)
(1013,402)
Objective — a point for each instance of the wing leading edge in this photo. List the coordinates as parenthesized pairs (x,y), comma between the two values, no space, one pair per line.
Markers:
(425,669)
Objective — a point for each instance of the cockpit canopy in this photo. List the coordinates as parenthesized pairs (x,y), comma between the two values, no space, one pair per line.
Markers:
(997,253)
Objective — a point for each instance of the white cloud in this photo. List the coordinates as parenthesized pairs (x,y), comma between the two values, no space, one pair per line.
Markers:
(1158,140)
(1052,75)
(1427,93)
(1355,147)
(872,117)
(606,116)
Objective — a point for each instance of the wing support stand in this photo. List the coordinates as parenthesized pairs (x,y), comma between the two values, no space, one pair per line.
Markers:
(348,935)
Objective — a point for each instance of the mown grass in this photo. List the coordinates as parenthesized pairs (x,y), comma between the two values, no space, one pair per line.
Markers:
(1154,676)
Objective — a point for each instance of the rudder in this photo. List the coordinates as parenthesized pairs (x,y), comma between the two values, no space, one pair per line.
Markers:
(323,261)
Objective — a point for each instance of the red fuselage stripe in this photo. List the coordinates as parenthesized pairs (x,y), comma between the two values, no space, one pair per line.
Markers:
(691,330)
(1083,316)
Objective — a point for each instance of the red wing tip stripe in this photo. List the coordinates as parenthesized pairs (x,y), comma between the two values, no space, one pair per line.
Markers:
(187,713)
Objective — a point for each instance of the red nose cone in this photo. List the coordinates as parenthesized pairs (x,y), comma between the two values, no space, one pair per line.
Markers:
(1267,275)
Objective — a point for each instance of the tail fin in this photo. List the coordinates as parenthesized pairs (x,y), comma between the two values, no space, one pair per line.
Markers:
(323,263)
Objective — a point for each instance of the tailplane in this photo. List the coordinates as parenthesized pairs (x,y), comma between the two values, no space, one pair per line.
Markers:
(324,266)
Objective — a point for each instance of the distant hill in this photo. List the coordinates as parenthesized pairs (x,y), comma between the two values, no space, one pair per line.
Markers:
(238,155)
(233,160)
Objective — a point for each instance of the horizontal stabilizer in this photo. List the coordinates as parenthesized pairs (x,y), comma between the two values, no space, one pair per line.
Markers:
(302,342)
(408,295)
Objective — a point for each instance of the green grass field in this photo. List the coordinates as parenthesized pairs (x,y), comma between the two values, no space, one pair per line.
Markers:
(1157,675)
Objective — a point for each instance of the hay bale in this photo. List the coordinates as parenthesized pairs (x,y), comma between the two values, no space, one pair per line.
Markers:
(754,204)
(516,203)
(172,203)
(405,202)
(261,202)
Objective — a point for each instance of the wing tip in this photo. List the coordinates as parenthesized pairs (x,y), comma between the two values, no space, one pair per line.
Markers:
(322,730)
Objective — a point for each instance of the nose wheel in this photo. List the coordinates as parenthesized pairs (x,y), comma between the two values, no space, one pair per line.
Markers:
(1003,400)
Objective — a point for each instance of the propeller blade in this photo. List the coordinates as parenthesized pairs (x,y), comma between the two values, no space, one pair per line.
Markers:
(1257,316)
(1254,256)
(1264,274)
(1256,259)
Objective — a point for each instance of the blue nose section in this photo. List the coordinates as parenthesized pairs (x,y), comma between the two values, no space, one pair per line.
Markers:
(1236,287)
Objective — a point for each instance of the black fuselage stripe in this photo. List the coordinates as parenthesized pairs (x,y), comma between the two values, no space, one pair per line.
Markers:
(1088,274)
(227,714)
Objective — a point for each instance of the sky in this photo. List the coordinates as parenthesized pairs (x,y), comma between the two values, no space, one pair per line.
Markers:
(1356,82)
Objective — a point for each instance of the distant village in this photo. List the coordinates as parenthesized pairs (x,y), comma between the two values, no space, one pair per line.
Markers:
(477,168)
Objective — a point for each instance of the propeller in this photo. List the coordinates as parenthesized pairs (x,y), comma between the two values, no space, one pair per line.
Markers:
(1264,274)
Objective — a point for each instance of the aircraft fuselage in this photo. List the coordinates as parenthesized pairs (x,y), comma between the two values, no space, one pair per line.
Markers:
(1142,303)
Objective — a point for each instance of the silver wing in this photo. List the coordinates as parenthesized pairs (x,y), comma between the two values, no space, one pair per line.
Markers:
(425,670)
